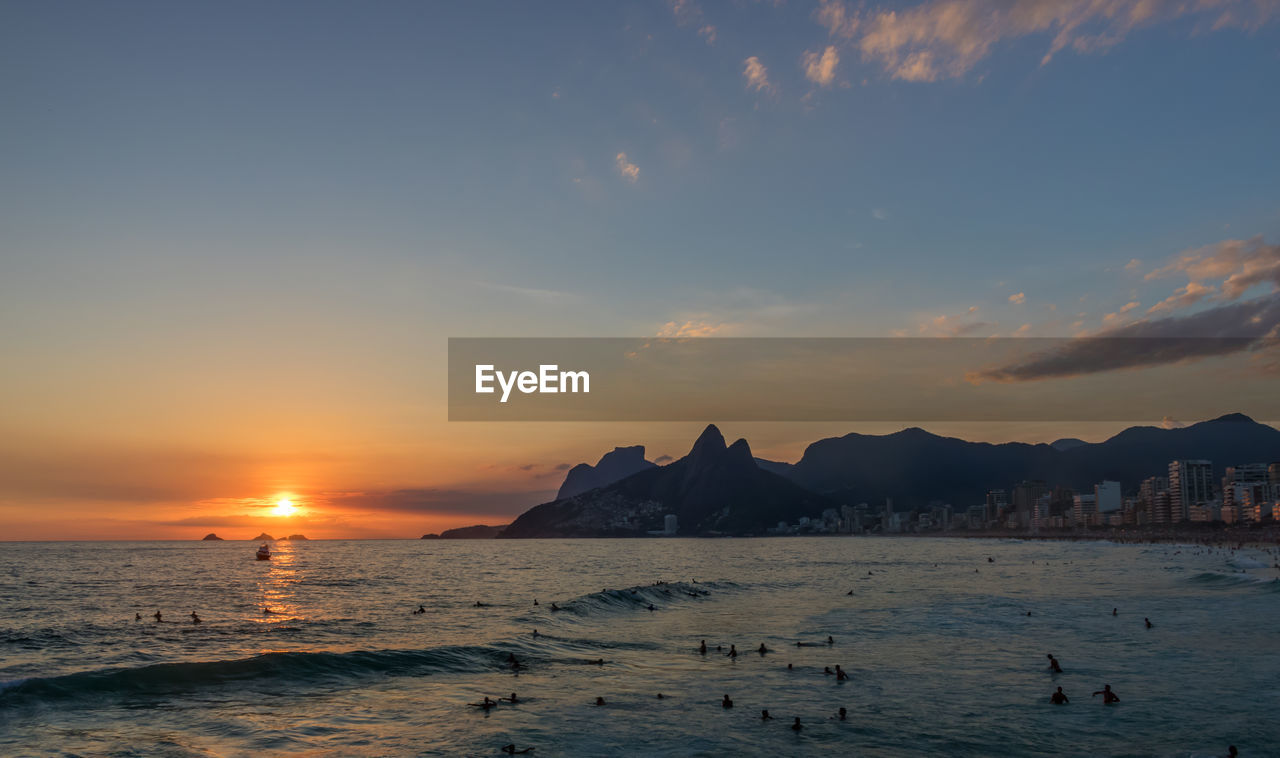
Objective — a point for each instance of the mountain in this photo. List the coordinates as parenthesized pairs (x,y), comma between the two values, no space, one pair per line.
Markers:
(716,488)
(211,537)
(296,538)
(1066,443)
(264,537)
(914,467)
(478,532)
(615,466)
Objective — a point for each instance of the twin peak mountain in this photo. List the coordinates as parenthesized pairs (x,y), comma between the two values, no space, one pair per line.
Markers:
(722,489)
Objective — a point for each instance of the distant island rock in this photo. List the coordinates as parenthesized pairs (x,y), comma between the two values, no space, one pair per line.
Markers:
(211,537)
(614,466)
(264,537)
(477,532)
(296,538)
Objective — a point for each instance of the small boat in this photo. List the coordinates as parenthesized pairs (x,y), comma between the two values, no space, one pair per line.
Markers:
(263,553)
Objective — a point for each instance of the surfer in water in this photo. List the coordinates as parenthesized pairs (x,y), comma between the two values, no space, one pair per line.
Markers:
(840,674)
(194,618)
(158,617)
(511,750)
(1108,697)
(796,726)
(702,649)
(726,703)
(1053,664)
(733,651)
(1059,698)
(486,704)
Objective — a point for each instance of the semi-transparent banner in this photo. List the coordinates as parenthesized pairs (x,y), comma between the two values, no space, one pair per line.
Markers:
(861,379)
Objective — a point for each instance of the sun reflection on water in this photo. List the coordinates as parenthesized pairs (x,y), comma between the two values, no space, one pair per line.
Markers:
(278,599)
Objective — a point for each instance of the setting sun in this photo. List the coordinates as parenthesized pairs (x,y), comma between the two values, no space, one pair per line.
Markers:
(285,508)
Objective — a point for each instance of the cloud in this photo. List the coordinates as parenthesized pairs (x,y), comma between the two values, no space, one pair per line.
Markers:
(1022,331)
(837,19)
(1239,264)
(951,326)
(821,69)
(441,501)
(1133,265)
(879,214)
(533,293)
(1183,297)
(629,170)
(708,32)
(1018,298)
(1123,310)
(1169,422)
(691,329)
(1251,325)
(757,75)
(943,39)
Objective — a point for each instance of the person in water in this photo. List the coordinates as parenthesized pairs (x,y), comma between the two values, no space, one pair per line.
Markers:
(486,704)
(1147,621)
(1053,664)
(733,651)
(159,618)
(827,670)
(796,726)
(1108,697)
(600,701)
(194,618)
(1115,611)
(726,703)
(1059,698)
(762,649)
(513,699)
(840,674)
(830,640)
(842,714)
(511,750)
(703,648)
(554,607)
(137,617)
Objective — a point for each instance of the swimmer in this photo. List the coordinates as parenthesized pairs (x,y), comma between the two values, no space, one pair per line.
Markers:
(1108,697)
(159,618)
(651,609)
(479,604)
(1059,698)
(796,726)
(827,670)
(840,674)
(703,648)
(733,651)
(762,649)
(1054,667)
(1115,611)
(137,617)
(535,633)
(990,559)
(790,667)
(600,701)
(511,750)
(513,699)
(842,714)
(830,640)
(726,703)
(535,601)
(597,662)
(1147,621)
(1232,752)
(486,704)
(764,715)
(194,618)
(660,696)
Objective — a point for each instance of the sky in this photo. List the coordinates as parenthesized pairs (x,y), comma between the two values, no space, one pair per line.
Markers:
(235,237)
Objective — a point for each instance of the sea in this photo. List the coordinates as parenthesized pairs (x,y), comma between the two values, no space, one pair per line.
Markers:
(319,652)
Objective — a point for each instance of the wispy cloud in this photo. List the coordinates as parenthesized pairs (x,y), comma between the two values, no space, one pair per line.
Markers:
(628,170)
(1250,325)
(879,214)
(820,68)
(757,75)
(1018,298)
(533,293)
(697,328)
(1239,264)
(944,39)
(1183,297)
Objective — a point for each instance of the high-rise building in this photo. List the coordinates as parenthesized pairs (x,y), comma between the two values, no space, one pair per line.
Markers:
(1190,483)
(1107,495)
(1161,507)
(1025,496)
(1086,509)
(997,504)
(670,524)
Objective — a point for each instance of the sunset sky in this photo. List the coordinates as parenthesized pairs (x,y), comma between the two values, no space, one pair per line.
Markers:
(235,237)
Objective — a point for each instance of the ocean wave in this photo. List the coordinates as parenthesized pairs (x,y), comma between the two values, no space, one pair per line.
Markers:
(286,669)
(1217,578)
(634,598)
